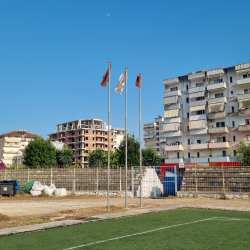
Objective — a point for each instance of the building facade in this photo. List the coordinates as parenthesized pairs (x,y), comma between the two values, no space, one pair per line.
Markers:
(84,135)
(206,115)
(12,146)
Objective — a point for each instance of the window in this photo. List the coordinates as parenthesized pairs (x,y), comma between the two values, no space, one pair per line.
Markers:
(200,98)
(220,124)
(188,141)
(232,92)
(233,109)
(178,155)
(198,154)
(235,152)
(200,112)
(224,153)
(87,151)
(186,87)
(246,91)
(217,81)
(231,79)
(188,154)
(218,95)
(187,100)
(234,139)
(86,131)
(187,114)
(188,128)
(200,84)
(246,76)
(174,89)
(106,146)
(106,139)
(87,138)
(221,139)
(198,141)
(87,145)
(248,137)
(233,124)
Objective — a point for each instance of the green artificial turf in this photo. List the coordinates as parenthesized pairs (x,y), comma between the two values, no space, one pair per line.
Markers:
(210,234)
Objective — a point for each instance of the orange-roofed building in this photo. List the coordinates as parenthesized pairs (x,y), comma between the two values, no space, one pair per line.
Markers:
(12,146)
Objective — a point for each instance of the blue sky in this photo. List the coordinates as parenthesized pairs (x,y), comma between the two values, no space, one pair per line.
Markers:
(53,55)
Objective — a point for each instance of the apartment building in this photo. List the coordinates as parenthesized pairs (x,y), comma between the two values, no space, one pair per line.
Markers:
(12,146)
(206,115)
(84,135)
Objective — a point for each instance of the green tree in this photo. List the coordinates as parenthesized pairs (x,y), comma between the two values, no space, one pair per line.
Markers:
(133,151)
(243,153)
(96,157)
(40,153)
(65,156)
(151,158)
(114,159)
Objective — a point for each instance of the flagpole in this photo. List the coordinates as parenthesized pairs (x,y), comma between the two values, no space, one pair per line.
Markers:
(126,154)
(140,146)
(108,137)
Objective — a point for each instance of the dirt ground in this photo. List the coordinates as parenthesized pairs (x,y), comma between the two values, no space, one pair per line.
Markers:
(25,210)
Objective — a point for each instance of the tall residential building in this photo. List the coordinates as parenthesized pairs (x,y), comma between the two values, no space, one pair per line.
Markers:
(12,146)
(84,135)
(206,115)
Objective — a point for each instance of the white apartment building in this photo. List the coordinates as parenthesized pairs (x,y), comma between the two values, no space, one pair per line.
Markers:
(12,146)
(206,115)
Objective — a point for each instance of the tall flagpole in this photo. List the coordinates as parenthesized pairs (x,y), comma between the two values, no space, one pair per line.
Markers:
(108,137)
(140,146)
(126,154)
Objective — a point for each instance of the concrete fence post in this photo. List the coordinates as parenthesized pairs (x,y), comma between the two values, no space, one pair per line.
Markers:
(5,177)
(223,180)
(97,178)
(120,179)
(196,184)
(74,180)
(28,177)
(51,176)
(132,181)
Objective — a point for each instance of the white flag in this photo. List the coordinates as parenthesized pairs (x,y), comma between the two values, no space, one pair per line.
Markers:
(120,84)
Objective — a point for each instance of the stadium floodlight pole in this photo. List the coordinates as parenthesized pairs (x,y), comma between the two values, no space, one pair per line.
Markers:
(126,150)
(108,137)
(140,146)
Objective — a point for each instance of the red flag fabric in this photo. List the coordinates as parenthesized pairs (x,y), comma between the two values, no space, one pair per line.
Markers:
(105,79)
(138,81)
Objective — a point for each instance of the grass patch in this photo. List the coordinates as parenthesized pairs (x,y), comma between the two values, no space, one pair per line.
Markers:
(183,232)
(37,222)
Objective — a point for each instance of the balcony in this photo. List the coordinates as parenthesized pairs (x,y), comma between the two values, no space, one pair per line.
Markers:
(243,128)
(218,115)
(150,144)
(215,72)
(172,93)
(197,103)
(201,159)
(170,81)
(197,117)
(244,112)
(174,148)
(217,86)
(243,96)
(171,106)
(150,137)
(173,160)
(172,120)
(198,131)
(199,146)
(218,130)
(196,89)
(244,81)
(216,100)
(173,134)
(149,126)
(219,159)
(219,145)
(163,140)
(197,75)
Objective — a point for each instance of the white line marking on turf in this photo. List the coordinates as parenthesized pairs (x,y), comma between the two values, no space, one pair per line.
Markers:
(130,235)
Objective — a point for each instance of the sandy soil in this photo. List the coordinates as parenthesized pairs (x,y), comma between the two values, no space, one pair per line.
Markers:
(16,211)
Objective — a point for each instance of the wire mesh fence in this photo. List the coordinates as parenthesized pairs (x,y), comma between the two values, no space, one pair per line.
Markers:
(156,181)
(73,179)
